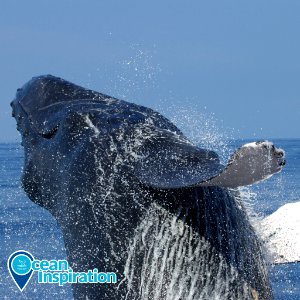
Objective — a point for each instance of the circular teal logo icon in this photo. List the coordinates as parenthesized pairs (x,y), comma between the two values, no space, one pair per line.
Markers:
(21,264)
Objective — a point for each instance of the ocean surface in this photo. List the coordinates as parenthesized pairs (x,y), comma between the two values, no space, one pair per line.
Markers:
(26,226)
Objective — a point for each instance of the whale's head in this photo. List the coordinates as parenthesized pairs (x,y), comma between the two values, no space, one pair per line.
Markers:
(44,108)
(41,105)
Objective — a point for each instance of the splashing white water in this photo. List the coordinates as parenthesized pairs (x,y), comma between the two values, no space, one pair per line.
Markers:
(127,77)
(281,233)
(201,127)
(137,72)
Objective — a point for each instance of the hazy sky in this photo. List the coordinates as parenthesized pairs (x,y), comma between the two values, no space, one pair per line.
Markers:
(237,59)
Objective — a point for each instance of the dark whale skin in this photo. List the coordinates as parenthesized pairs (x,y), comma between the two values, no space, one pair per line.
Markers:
(86,156)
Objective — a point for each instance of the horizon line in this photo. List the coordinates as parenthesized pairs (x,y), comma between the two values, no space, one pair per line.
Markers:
(228,139)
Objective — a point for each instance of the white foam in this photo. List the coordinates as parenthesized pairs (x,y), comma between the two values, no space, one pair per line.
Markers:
(281,233)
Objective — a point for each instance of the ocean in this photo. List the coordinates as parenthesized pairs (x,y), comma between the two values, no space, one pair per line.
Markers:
(26,226)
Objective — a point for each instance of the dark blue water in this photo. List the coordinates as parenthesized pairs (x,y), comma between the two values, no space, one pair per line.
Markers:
(24,225)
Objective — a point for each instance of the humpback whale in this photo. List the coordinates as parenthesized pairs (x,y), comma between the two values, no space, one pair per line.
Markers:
(134,196)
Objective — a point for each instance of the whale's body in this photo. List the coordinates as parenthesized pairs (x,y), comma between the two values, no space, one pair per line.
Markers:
(124,185)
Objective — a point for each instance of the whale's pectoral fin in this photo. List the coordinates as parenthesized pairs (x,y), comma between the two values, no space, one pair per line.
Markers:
(251,163)
(167,161)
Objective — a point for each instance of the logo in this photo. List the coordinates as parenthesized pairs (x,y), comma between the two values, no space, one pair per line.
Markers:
(21,265)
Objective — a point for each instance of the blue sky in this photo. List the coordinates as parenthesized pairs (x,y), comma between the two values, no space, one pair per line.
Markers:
(238,60)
